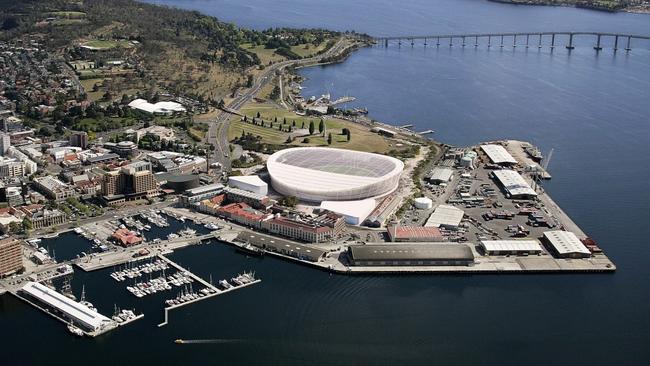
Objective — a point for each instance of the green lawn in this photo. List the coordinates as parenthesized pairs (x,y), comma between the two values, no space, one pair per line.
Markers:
(265,54)
(362,139)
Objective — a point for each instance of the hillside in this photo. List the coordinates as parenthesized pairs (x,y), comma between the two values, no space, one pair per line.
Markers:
(183,52)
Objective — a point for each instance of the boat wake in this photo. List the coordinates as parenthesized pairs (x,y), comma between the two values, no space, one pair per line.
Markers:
(207,341)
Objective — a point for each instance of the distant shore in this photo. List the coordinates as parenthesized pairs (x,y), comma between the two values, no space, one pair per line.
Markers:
(638,9)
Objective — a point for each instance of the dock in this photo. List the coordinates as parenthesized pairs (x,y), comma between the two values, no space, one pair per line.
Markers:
(219,292)
(182,269)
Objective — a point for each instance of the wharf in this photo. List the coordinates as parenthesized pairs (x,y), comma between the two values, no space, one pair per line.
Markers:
(110,259)
(107,328)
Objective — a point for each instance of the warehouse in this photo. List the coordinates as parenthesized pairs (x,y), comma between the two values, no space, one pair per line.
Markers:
(281,246)
(498,155)
(414,233)
(565,244)
(445,216)
(413,254)
(440,175)
(511,247)
(513,184)
(62,306)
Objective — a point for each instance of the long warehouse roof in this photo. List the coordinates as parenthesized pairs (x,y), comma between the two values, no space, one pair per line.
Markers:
(565,242)
(511,245)
(514,183)
(72,308)
(412,251)
(498,154)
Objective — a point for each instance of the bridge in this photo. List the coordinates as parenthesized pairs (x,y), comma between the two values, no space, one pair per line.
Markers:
(526,39)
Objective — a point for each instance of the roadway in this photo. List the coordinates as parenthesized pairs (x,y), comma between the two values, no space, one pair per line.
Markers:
(218,132)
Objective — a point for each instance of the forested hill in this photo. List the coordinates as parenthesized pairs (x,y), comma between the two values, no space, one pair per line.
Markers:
(200,36)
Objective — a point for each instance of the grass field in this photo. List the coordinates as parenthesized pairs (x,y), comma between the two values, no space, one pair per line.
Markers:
(362,139)
(266,55)
(88,86)
(107,45)
(306,50)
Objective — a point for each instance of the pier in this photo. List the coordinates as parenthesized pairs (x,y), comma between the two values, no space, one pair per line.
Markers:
(215,291)
(525,39)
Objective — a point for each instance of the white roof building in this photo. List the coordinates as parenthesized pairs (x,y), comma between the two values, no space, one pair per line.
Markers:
(441,174)
(566,244)
(445,216)
(354,212)
(498,154)
(251,183)
(157,108)
(511,246)
(513,183)
(78,313)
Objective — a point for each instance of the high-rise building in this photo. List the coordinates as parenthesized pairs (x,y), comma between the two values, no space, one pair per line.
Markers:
(11,168)
(11,256)
(5,142)
(79,139)
(129,182)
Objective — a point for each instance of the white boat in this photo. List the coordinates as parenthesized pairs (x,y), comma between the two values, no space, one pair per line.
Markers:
(74,330)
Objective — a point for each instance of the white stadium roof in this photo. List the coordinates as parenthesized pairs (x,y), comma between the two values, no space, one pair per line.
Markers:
(511,245)
(73,309)
(445,215)
(160,107)
(565,242)
(325,174)
(498,154)
(514,183)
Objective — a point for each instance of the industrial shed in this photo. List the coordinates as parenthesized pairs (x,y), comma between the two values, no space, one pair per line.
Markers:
(511,247)
(440,175)
(445,216)
(498,154)
(412,254)
(514,185)
(565,244)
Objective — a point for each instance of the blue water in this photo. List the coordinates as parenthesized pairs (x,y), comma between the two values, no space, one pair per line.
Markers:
(592,110)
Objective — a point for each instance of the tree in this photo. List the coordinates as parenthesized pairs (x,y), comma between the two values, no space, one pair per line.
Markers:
(289,201)
(329,139)
(311,127)
(303,124)
(27,225)
(349,135)
(321,126)
(259,115)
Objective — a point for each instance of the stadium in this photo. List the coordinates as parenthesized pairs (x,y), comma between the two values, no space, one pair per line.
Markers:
(317,174)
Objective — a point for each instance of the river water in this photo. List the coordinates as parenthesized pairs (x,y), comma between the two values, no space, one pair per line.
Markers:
(591,109)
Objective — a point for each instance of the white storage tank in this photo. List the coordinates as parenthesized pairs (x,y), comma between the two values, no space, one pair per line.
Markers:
(423,203)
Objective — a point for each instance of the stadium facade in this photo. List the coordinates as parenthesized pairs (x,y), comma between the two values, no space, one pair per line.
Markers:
(317,174)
